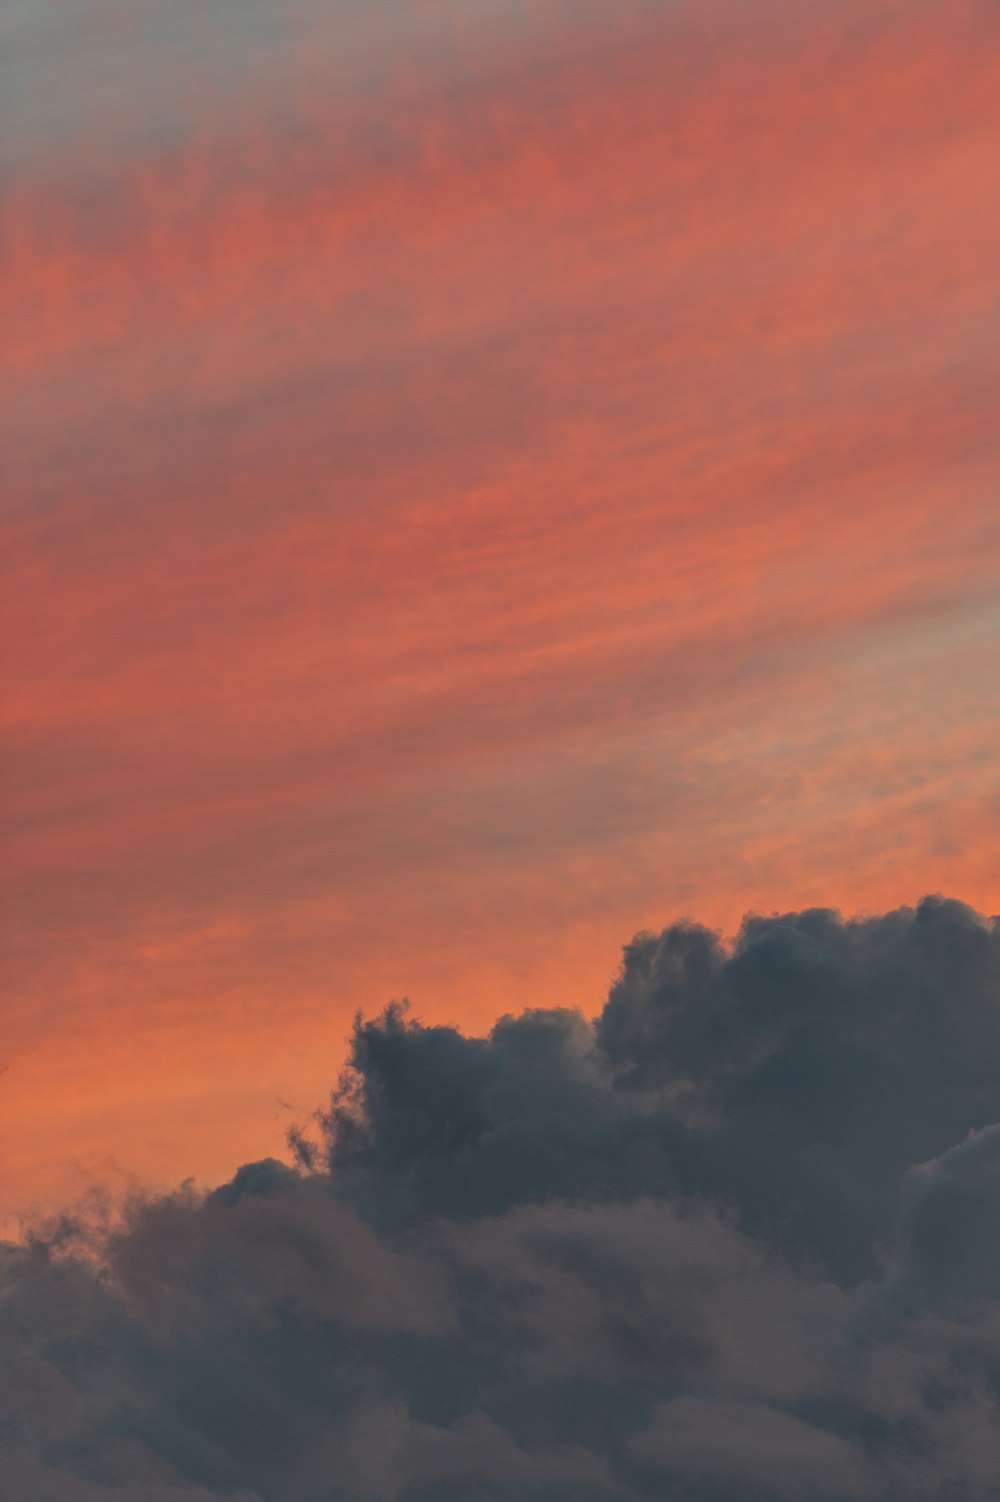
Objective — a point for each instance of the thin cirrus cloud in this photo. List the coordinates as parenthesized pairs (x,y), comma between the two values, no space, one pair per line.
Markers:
(473,473)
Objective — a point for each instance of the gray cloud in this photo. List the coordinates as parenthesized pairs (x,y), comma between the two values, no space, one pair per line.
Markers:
(717,1441)
(739,1237)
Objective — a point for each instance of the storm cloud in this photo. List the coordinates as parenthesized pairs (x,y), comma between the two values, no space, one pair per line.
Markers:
(737,1237)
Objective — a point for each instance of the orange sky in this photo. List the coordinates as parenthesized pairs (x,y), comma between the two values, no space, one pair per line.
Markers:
(479,480)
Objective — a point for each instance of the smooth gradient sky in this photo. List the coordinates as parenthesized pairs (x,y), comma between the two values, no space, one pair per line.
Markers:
(480,479)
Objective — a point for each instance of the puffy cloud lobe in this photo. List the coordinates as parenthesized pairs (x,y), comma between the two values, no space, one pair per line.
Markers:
(709,1439)
(950,1223)
(737,1238)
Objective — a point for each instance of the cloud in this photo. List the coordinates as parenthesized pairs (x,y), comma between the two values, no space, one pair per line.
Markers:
(738,1238)
(796,1078)
(747,1444)
(950,1223)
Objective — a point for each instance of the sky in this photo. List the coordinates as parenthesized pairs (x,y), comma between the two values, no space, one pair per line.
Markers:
(480,481)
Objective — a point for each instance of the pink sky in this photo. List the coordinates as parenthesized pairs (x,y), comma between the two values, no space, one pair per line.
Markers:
(480,480)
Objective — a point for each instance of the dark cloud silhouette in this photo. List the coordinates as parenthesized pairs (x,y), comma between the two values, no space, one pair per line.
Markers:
(737,1238)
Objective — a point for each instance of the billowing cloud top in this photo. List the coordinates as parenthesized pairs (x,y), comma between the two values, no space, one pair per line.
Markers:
(738,1238)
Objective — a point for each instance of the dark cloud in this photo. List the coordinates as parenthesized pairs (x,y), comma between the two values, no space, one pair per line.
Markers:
(737,1238)
(715,1440)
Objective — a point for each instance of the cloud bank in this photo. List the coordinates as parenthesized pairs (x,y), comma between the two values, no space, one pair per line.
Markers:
(737,1238)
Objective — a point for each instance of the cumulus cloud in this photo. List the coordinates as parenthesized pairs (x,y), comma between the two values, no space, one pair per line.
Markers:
(737,1237)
